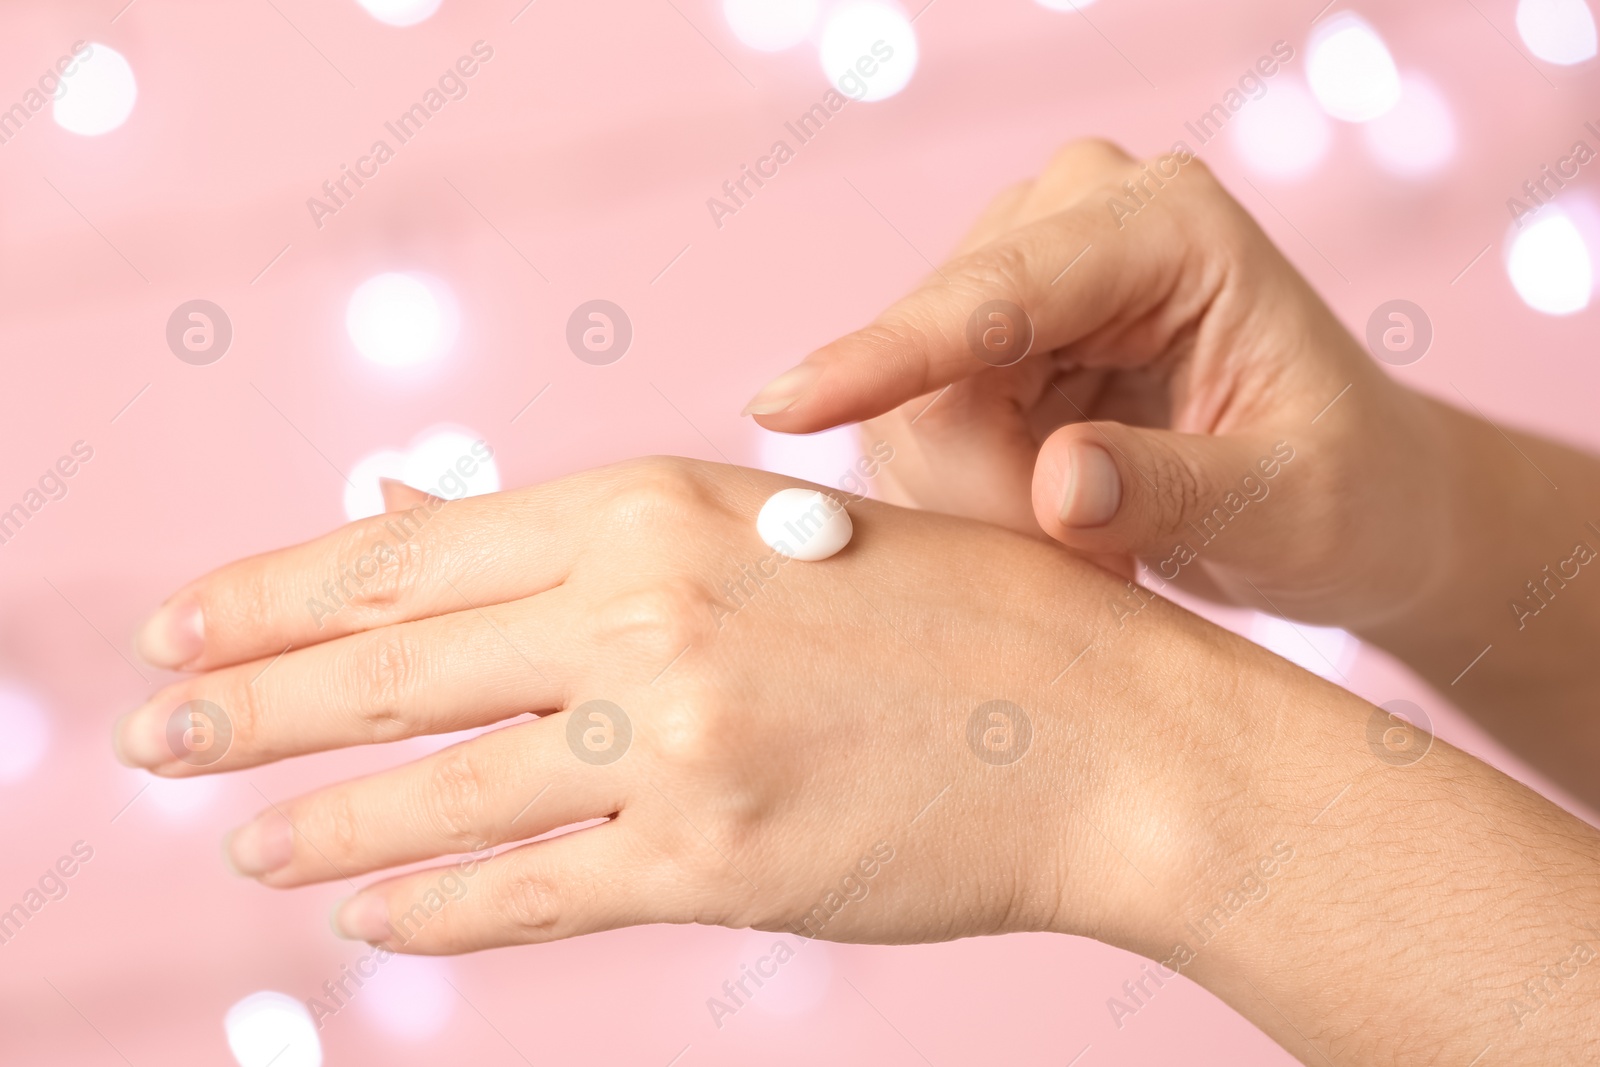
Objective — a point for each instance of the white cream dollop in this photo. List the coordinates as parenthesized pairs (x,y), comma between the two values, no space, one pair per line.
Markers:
(804,524)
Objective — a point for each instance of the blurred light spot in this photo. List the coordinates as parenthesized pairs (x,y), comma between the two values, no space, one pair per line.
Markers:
(1322,650)
(400,12)
(1557,31)
(409,998)
(825,458)
(868,37)
(1550,266)
(1283,135)
(362,495)
(272,1028)
(452,463)
(447,461)
(24,733)
(1418,137)
(400,320)
(99,95)
(182,800)
(1063,5)
(770,25)
(1350,70)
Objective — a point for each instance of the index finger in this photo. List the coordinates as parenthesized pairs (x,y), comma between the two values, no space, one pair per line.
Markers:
(1042,286)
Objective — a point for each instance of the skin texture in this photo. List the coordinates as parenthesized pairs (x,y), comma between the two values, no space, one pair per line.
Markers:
(802,751)
(1181,346)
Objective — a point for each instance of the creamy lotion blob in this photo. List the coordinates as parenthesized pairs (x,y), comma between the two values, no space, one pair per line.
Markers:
(804,524)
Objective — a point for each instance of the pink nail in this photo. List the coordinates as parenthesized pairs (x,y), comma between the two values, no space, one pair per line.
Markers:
(784,391)
(261,847)
(140,738)
(1094,487)
(175,635)
(364,917)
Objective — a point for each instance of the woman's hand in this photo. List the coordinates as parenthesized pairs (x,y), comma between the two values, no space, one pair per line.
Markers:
(1187,399)
(765,737)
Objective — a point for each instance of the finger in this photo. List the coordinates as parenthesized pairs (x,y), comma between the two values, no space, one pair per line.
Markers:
(577,883)
(508,785)
(428,676)
(398,496)
(1102,487)
(1003,294)
(435,557)
(1075,170)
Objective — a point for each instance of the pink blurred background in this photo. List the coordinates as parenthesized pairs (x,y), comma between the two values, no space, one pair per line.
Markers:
(578,167)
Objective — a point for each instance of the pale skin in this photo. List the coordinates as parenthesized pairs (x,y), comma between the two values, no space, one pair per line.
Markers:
(1411,900)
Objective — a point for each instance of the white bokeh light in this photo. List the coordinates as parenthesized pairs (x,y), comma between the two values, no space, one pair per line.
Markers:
(1350,69)
(98,96)
(447,461)
(1550,266)
(826,458)
(409,998)
(24,733)
(770,25)
(794,986)
(856,39)
(272,1028)
(1064,5)
(1418,137)
(400,12)
(402,319)
(1284,135)
(1324,651)
(1557,31)
(182,800)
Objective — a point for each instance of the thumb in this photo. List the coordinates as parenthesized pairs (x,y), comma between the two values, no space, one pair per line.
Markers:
(1103,487)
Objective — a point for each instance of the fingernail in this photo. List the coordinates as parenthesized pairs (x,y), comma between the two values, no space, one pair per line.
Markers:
(784,391)
(260,847)
(363,917)
(1094,488)
(174,635)
(140,738)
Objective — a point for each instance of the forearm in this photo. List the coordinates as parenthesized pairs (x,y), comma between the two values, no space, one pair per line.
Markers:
(1509,635)
(1359,908)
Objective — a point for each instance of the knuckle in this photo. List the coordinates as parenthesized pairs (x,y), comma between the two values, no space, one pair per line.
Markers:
(659,619)
(531,903)
(1177,494)
(335,825)
(245,706)
(385,672)
(656,488)
(376,574)
(998,271)
(454,799)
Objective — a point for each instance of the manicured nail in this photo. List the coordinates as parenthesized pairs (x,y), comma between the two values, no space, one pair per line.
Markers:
(260,847)
(1094,488)
(174,635)
(363,917)
(140,738)
(784,391)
